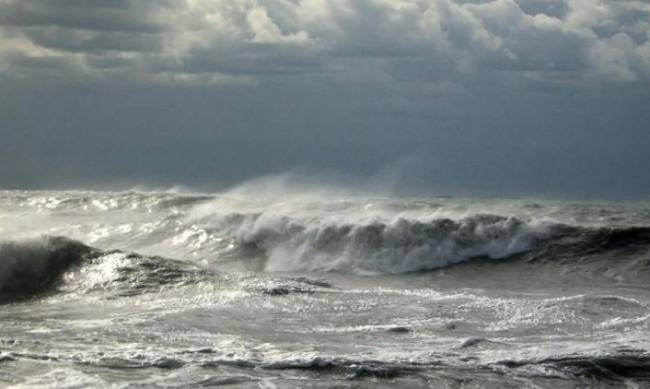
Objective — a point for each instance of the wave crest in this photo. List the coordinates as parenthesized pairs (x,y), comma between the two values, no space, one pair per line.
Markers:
(400,246)
(33,266)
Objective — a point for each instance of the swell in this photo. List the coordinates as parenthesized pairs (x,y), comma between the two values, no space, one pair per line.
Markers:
(600,367)
(571,243)
(614,238)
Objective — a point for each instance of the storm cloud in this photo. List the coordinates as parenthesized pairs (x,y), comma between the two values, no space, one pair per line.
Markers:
(464,87)
(228,40)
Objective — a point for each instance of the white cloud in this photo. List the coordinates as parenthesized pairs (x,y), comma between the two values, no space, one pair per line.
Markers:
(245,39)
(265,30)
(620,58)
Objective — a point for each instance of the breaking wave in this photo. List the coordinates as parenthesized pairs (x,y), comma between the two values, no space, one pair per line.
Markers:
(357,235)
(33,266)
(400,246)
(320,231)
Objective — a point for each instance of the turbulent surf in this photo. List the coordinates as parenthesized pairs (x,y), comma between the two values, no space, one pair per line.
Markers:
(321,289)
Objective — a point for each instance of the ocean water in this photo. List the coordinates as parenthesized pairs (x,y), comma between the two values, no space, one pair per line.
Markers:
(321,290)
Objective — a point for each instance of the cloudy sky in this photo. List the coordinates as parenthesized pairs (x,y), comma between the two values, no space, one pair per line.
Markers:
(539,97)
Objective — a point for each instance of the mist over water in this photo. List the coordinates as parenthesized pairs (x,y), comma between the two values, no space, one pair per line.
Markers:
(294,284)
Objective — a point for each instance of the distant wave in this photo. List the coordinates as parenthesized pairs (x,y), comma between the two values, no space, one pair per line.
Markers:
(84,201)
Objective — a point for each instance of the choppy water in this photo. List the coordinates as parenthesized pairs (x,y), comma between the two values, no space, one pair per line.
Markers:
(135,289)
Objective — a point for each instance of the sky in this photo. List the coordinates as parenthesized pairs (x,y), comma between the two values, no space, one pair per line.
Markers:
(471,97)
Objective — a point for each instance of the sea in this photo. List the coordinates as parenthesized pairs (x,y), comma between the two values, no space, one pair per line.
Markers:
(321,289)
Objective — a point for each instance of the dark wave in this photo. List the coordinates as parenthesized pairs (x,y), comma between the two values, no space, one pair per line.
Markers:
(35,266)
(351,368)
(572,244)
(607,367)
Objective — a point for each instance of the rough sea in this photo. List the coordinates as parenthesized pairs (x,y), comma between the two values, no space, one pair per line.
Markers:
(321,290)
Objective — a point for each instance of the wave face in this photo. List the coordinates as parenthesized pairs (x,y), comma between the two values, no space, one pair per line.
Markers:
(49,264)
(381,247)
(33,266)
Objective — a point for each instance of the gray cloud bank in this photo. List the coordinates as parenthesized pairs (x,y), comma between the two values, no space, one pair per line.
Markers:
(496,96)
(225,41)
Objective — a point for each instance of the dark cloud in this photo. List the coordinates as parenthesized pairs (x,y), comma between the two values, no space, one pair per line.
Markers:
(120,15)
(84,41)
(553,8)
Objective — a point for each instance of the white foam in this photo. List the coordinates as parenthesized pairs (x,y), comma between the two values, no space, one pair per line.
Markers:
(312,243)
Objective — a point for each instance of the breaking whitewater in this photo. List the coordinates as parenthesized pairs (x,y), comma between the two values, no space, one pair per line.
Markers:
(135,289)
